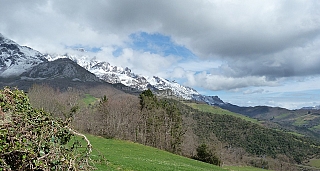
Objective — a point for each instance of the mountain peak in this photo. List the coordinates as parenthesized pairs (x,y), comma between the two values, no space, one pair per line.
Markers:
(16,59)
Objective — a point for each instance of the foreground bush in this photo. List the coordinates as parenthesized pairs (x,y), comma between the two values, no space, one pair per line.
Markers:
(31,139)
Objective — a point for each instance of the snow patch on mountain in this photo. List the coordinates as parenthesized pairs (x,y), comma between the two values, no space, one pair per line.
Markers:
(16,59)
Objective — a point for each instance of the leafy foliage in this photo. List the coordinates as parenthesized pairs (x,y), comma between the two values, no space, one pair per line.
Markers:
(31,139)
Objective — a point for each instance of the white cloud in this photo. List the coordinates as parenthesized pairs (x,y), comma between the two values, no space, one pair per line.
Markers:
(219,82)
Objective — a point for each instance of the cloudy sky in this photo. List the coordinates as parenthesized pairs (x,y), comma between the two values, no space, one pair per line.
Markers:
(248,52)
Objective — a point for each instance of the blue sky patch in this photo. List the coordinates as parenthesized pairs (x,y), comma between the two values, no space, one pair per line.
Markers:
(117,52)
(158,44)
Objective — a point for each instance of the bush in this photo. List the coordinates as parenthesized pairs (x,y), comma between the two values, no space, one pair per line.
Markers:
(205,155)
(31,139)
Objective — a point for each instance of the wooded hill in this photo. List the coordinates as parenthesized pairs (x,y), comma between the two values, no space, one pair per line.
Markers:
(174,126)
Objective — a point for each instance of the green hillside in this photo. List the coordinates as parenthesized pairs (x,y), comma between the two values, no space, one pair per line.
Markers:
(126,155)
(218,110)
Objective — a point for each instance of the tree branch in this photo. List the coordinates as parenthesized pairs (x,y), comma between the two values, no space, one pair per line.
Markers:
(85,138)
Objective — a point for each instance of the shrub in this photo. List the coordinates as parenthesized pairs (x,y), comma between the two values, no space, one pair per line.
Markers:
(31,139)
(205,155)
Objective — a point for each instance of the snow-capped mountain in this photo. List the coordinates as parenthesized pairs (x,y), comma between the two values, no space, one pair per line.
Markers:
(16,59)
(115,74)
(28,64)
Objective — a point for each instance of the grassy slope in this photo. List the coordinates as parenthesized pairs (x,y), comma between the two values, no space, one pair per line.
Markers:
(315,163)
(217,110)
(125,155)
(89,99)
(316,128)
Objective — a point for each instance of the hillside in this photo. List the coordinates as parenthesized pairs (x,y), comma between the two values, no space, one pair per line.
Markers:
(229,136)
(217,110)
(235,132)
(302,121)
(126,155)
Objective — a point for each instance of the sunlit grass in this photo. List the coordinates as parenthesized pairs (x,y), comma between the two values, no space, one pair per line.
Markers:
(89,99)
(300,121)
(125,155)
(282,116)
(316,128)
(111,154)
(218,110)
(315,163)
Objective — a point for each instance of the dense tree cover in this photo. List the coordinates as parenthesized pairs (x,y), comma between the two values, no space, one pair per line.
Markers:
(162,122)
(254,138)
(31,139)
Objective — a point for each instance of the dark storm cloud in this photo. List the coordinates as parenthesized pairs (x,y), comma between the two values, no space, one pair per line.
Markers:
(301,61)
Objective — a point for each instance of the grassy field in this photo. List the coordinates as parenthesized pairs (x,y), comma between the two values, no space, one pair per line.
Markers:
(300,121)
(89,99)
(282,116)
(316,128)
(217,110)
(315,163)
(125,155)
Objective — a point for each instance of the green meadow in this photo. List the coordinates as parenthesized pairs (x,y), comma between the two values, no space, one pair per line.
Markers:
(112,154)
(217,110)
(315,163)
(89,99)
